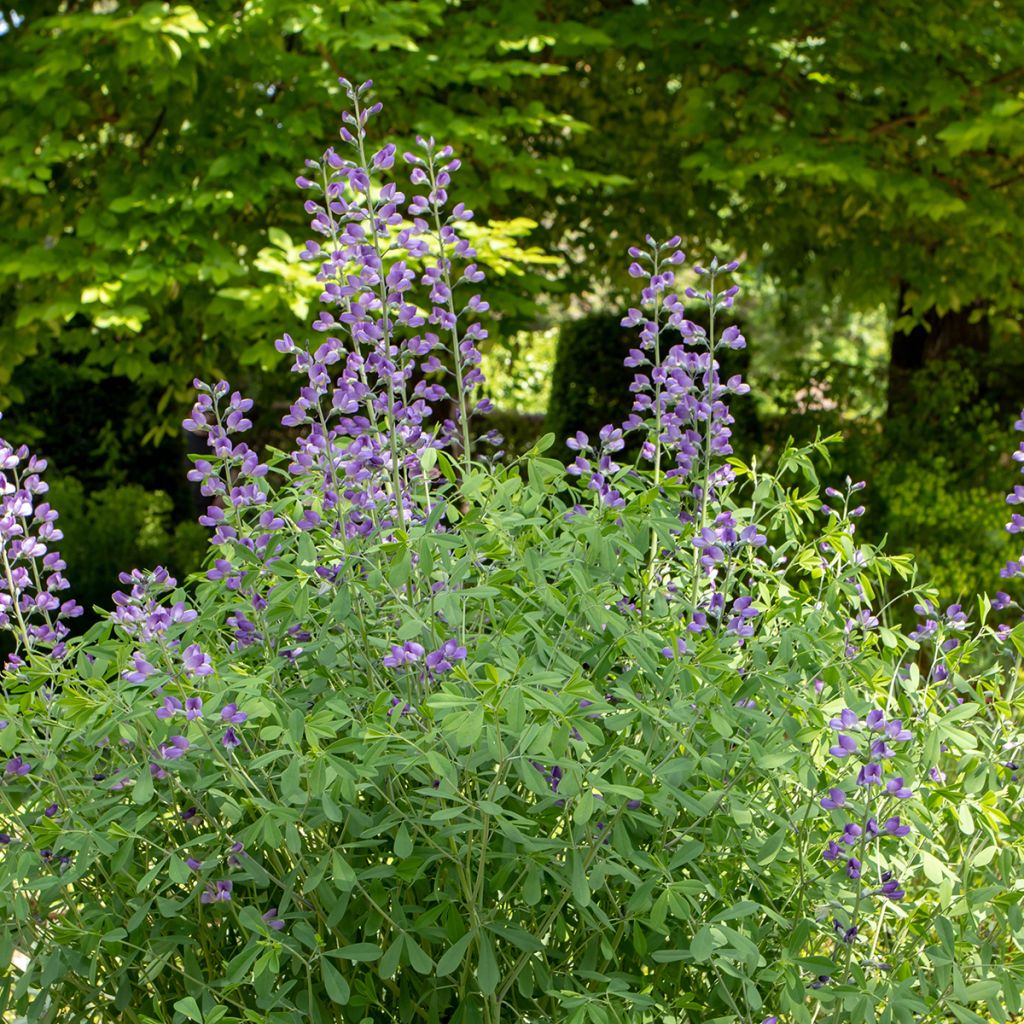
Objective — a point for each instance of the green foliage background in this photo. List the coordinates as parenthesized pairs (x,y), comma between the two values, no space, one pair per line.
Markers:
(864,162)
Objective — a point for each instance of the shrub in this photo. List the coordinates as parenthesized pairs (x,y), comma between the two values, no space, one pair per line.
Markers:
(434,740)
(119,525)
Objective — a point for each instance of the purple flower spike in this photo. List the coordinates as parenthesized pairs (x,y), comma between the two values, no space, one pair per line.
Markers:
(896,788)
(870,775)
(836,798)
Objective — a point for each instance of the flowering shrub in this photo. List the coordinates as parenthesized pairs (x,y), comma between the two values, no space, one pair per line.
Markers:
(435,738)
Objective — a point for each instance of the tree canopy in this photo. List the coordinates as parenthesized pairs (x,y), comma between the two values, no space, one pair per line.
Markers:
(146,147)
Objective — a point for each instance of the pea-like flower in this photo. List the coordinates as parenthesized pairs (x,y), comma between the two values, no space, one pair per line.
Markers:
(896,788)
(230,713)
(217,892)
(271,919)
(870,775)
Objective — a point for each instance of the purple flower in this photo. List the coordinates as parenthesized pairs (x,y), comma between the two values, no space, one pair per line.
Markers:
(194,864)
(16,766)
(890,888)
(875,720)
(853,868)
(217,892)
(230,713)
(170,707)
(140,671)
(441,660)
(846,721)
(196,662)
(896,788)
(680,648)
(409,653)
(193,708)
(272,920)
(851,833)
(836,798)
(844,746)
(870,775)
(707,543)
(895,732)
(893,827)
(845,935)
(50,811)
(833,851)
(231,738)
(174,748)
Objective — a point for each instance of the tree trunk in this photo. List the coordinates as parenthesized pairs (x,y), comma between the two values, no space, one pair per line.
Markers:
(937,337)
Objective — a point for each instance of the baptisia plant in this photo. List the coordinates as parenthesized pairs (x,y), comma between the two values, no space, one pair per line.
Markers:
(437,739)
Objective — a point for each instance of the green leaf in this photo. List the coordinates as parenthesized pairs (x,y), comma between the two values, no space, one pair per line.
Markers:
(359,951)
(702,945)
(418,958)
(580,886)
(189,1008)
(403,842)
(487,974)
(142,791)
(334,982)
(452,957)
(390,960)
(771,847)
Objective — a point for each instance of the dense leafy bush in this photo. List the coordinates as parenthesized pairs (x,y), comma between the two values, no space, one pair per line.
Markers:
(443,741)
(589,385)
(121,525)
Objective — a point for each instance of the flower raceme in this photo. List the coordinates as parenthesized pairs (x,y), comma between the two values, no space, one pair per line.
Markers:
(31,569)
